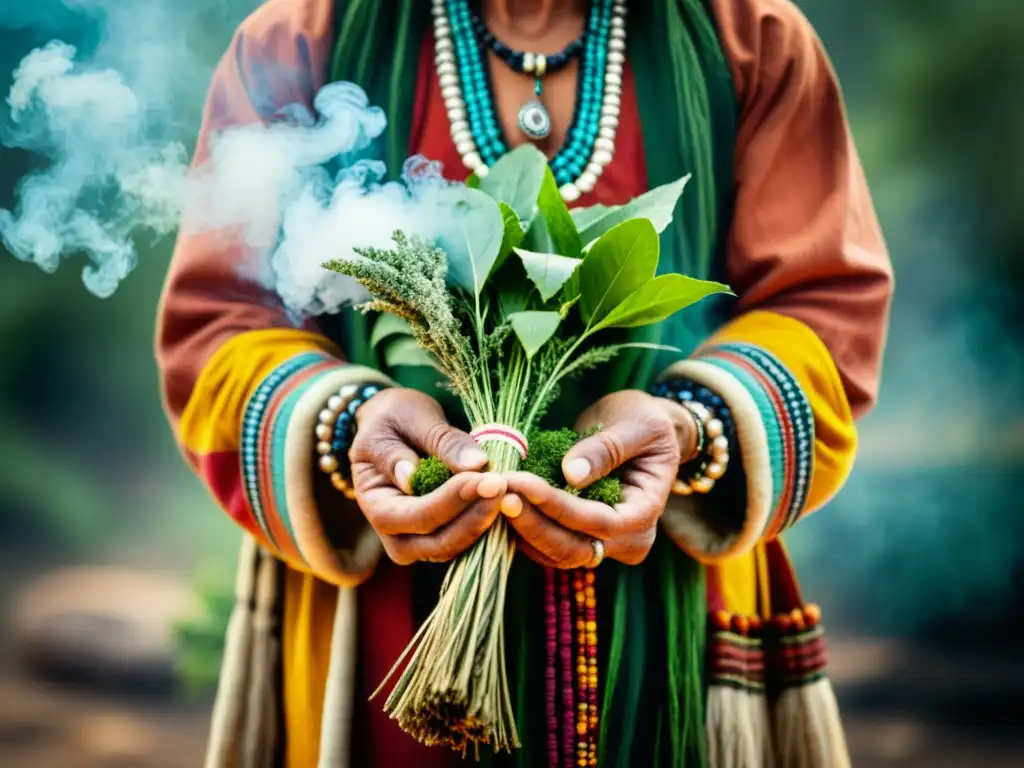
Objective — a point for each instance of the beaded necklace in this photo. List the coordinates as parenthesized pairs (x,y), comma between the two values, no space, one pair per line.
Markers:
(533,120)
(461,60)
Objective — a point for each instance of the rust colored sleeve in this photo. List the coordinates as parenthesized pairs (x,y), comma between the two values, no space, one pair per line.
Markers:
(805,240)
(242,385)
(800,359)
(273,61)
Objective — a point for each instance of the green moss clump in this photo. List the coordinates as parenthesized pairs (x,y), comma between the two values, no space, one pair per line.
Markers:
(547,449)
(429,475)
(607,490)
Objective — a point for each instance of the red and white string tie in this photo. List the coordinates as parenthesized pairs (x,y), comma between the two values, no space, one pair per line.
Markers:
(502,433)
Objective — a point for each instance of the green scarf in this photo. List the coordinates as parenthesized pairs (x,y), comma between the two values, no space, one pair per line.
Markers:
(653,693)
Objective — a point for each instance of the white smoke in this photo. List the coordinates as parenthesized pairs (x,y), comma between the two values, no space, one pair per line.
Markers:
(272,183)
(109,181)
(105,180)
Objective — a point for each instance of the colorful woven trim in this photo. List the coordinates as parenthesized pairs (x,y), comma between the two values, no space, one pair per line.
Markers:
(788,420)
(736,660)
(785,651)
(267,409)
(278,464)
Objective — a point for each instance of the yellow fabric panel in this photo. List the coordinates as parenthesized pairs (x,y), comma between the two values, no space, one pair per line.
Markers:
(738,580)
(808,359)
(212,420)
(308,622)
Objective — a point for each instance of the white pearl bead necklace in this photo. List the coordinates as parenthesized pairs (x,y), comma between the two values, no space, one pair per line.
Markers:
(611,101)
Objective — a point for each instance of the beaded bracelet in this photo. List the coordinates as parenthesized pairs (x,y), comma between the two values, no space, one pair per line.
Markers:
(715,433)
(335,430)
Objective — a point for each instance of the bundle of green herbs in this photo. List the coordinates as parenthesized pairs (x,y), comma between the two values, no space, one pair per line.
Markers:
(506,307)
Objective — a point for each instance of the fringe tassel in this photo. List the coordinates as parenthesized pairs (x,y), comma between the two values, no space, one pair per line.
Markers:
(808,730)
(229,704)
(737,728)
(339,689)
(259,744)
(738,724)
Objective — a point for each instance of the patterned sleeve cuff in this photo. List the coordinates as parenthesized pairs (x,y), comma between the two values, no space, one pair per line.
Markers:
(775,433)
(279,467)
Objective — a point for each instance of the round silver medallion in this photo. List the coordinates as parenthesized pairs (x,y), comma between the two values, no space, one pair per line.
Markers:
(534,120)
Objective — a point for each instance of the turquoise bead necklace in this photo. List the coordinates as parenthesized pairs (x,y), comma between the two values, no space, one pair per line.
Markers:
(461,59)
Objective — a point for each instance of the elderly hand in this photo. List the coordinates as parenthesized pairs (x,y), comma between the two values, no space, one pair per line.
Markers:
(395,427)
(643,434)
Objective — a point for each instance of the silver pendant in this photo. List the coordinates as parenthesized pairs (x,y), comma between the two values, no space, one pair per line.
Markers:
(534,120)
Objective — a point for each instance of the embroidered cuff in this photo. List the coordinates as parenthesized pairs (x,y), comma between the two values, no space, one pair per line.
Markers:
(775,432)
(279,466)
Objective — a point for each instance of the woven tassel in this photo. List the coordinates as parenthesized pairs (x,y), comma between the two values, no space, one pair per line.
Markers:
(738,728)
(807,727)
(808,730)
(229,704)
(261,716)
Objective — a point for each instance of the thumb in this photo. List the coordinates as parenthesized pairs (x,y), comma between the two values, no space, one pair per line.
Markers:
(436,437)
(594,457)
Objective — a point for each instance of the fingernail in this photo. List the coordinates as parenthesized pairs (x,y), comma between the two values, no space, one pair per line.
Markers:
(472,458)
(403,471)
(577,471)
(511,505)
(491,485)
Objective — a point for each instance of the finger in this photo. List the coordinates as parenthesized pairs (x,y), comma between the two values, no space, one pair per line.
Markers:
(534,554)
(511,505)
(591,518)
(429,432)
(641,506)
(393,513)
(563,548)
(632,548)
(594,457)
(453,539)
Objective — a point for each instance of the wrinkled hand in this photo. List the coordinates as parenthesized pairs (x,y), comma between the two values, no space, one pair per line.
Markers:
(643,434)
(395,427)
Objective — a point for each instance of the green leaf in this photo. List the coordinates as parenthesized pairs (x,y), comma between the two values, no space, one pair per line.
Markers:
(473,181)
(554,231)
(657,206)
(513,236)
(584,217)
(656,300)
(516,179)
(514,288)
(548,271)
(472,239)
(405,351)
(534,329)
(388,325)
(596,356)
(623,260)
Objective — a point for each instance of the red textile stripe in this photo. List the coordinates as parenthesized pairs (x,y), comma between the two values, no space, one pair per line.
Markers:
(777,522)
(732,660)
(385,628)
(481,434)
(264,477)
(223,475)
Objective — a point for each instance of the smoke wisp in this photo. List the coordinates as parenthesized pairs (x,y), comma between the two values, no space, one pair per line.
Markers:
(105,180)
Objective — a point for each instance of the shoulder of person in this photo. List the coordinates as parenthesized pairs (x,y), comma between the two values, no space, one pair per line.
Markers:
(769,43)
(279,53)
